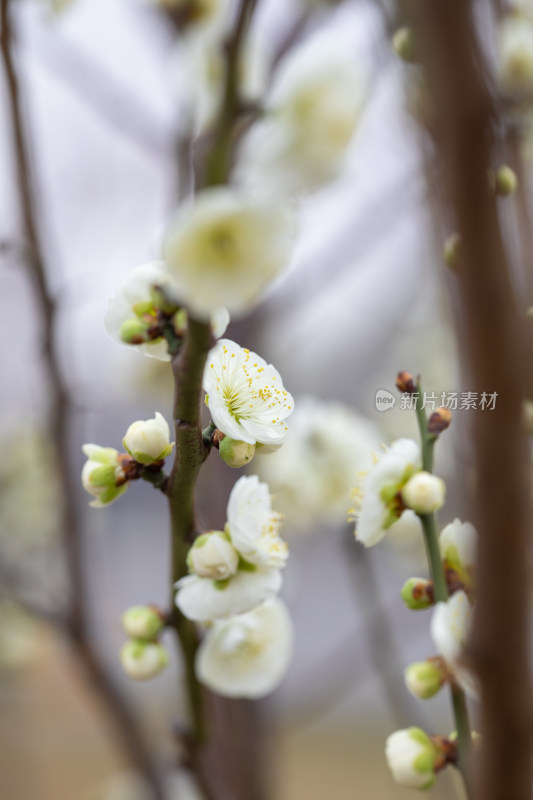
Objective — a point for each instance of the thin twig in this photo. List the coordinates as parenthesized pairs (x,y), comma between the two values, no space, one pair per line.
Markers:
(76,613)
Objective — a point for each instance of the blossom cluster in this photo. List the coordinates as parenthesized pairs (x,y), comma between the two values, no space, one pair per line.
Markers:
(394,488)
(235,576)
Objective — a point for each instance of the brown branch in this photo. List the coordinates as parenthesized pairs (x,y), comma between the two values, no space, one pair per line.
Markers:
(494,353)
(76,622)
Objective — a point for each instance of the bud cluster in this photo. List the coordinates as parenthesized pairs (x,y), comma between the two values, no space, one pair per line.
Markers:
(142,656)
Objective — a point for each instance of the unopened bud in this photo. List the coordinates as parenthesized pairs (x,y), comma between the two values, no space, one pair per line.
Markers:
(103,475)
(405,383)
(143,622)
(143,660)
(424,492)
(134,331)
(403,44)
(417,594)
(439,420)
(425,678)
(234,453)
(213,556)
(412,758)
(505,181)
(148,441)
(452,250)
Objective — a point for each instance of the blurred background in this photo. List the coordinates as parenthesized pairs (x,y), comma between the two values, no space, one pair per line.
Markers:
(365,297)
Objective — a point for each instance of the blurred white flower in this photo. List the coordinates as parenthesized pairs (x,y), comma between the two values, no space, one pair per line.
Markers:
(213,556)
(253,525)
(148,441)
(424,493)
(458,544)
(245,395)
(102,475)
(377,497)
(224,248)
(248,655)
(411,756)
(450,627)
(516,55)
(204,599)
(132,311)
(311,114)
(326,448)
(31,496)
(143,660)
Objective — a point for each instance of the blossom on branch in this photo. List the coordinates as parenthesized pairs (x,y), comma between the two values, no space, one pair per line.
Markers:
(378,501)
(245,395)
(224,248)
(148,299)
(254,526)
(311,114)
(103,475)
(450,627)
(148,441)
(248,655)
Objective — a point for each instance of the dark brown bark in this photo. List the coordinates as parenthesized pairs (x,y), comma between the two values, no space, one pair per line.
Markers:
(492,345)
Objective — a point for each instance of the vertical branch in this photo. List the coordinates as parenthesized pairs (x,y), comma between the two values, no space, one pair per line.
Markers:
(76,615)
(493,349)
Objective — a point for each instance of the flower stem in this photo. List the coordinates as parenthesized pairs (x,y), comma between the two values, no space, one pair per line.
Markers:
(429,525)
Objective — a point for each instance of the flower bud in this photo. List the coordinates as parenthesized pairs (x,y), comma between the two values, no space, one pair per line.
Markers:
(457,544)
(213,556)
(412,758)
(440,420)
(452,250)
(148,441)
(425,678)
(143,622)
(505,181)
(143,660)
(102,475)
(234,453)
(424,492)
(134,331)
(403,44)
(417,594)
(405,383)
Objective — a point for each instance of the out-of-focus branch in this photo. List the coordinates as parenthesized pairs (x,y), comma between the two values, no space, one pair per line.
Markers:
(492,340)
(76,620)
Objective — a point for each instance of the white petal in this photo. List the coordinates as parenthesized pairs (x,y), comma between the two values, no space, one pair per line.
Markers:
(199,599)
(247,656)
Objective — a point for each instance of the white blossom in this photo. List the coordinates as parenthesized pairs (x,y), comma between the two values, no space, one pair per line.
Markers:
(516,55)
(204,599)
(458,543)
(245,395)
(311,475)
(411,757)
(424,493)
(148,441)
(253,525)
(102,475)
(213,556)
(135,297)
(312,112)
(224,248)
(247,655)
(377,507)
(143,660)
(450,628)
